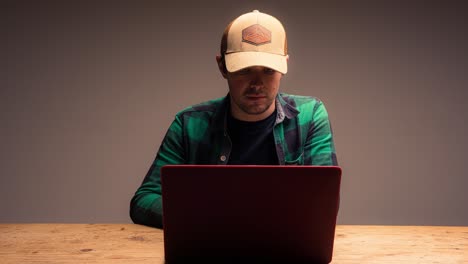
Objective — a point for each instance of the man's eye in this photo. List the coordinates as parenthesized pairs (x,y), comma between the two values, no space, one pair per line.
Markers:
(244,71)
(269,71)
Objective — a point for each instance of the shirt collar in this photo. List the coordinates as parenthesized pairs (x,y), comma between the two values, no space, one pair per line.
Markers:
(284,109)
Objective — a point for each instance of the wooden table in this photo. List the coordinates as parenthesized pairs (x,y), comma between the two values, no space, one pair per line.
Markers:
(128,243)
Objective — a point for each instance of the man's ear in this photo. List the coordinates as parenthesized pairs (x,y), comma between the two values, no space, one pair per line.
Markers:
(221,66)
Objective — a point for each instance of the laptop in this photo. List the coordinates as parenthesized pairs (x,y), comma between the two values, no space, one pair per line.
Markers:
(249,213)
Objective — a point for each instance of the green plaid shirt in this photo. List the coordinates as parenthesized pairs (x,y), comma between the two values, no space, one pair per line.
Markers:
(198,135)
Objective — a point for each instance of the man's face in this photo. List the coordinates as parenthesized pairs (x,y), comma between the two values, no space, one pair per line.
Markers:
(253,91)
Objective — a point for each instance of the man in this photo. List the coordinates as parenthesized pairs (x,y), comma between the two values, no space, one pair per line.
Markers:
(253,124)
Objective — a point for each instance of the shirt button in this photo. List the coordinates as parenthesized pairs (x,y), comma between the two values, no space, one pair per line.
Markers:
(222,158)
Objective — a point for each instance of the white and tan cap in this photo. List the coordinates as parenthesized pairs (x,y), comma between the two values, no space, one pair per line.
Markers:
(255,39)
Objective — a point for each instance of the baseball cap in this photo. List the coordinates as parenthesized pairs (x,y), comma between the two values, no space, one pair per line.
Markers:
(255,39)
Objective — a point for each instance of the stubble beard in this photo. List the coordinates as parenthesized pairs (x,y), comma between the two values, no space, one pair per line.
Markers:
(256,108)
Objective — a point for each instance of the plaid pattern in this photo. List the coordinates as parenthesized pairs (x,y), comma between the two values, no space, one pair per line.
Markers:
(198,135)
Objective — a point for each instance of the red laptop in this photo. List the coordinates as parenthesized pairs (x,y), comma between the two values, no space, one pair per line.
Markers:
(249,214)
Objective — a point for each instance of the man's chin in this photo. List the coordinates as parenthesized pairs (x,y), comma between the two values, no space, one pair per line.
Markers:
(255,110)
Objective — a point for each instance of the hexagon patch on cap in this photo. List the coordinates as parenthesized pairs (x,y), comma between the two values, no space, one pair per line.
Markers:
(256,35)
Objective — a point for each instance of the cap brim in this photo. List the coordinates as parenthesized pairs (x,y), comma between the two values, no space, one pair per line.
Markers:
(239,60)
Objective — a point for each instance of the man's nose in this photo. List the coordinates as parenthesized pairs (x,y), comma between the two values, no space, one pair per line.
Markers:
(257,80)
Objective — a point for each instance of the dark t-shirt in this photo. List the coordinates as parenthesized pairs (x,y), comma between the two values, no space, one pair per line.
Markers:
(252,142)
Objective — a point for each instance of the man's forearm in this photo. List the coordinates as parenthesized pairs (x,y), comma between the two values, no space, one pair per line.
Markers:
(147,210)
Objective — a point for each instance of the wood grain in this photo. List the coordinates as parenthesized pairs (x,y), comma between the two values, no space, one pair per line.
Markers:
(128,243)
(401,244)
(80,243)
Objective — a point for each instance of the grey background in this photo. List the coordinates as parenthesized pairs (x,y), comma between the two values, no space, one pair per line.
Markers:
(88,91)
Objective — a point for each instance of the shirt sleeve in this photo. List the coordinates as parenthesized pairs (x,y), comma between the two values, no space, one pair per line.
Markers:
(320,148)
(146,204)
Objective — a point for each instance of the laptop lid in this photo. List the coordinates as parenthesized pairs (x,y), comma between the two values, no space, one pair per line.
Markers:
(245,213)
